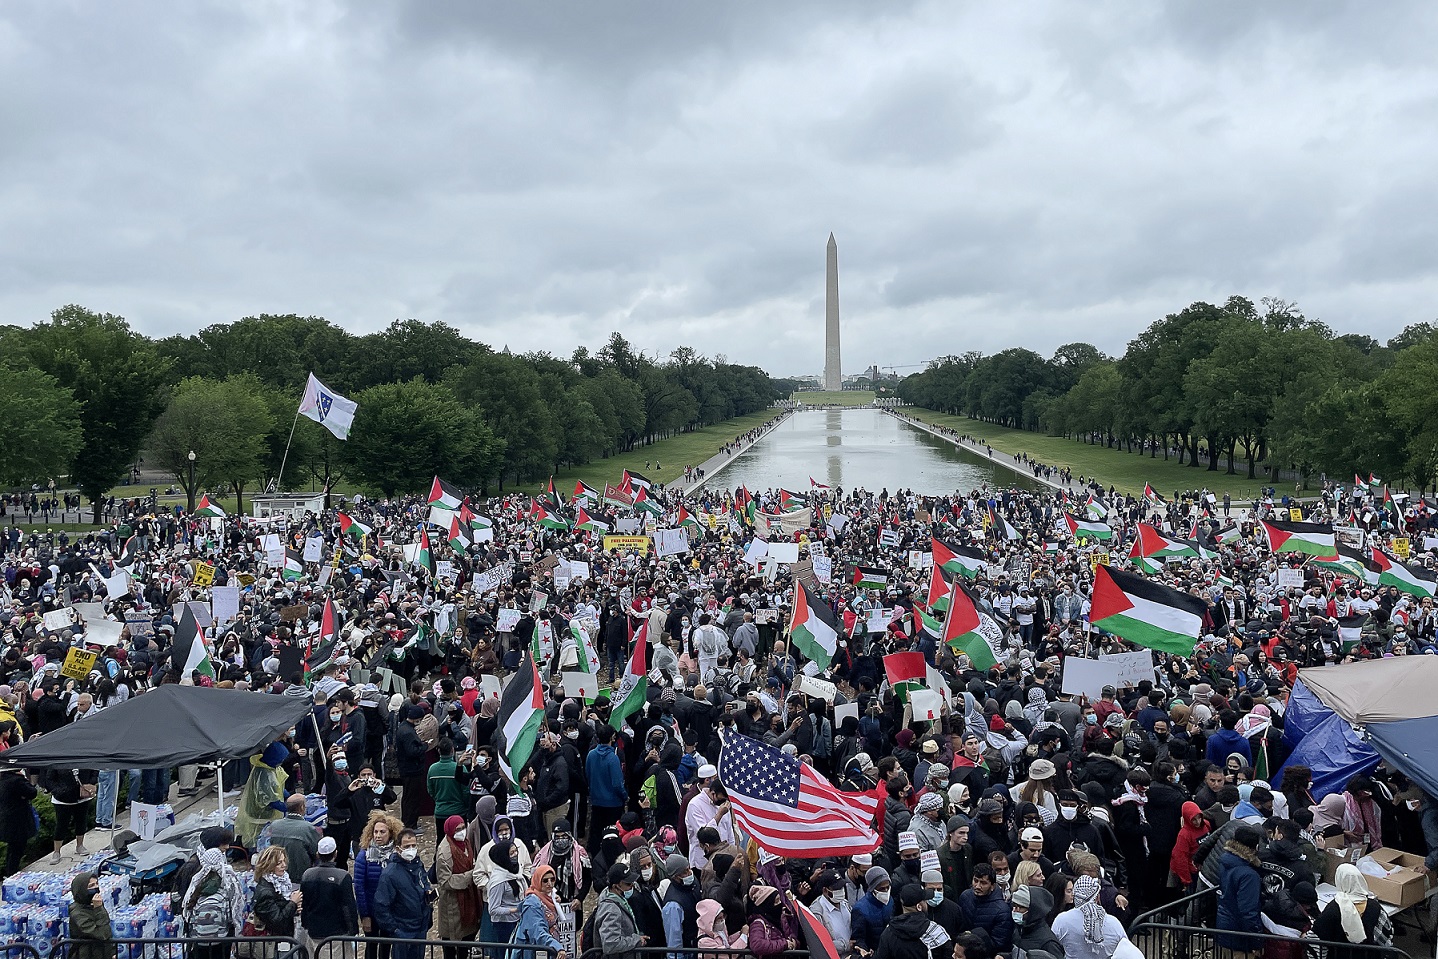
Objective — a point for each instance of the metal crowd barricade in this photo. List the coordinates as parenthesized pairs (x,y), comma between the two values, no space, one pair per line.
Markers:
(1201,942)
(351,947)
(18,950)
(220,947)
(659,952)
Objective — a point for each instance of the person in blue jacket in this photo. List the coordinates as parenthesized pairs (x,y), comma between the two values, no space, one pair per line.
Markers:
(1239,886)
(607,793)
(403,903)
(873,910)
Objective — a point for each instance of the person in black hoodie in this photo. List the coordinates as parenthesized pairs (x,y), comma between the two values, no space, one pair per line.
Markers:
(990,830)
(1073,825)
(1283,865)
(908,935)
(1165,812)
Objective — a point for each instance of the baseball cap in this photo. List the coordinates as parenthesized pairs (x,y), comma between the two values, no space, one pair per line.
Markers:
(1031,834)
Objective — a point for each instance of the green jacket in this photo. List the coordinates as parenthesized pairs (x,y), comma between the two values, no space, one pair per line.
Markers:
(449,785)
(89,921)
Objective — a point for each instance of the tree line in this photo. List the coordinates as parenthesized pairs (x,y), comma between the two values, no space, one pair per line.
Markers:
(1236,385)
(88,398)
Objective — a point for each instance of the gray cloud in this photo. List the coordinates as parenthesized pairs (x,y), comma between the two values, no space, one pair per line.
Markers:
(540,174)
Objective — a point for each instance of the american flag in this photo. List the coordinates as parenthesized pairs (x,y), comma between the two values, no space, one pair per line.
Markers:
(788,808)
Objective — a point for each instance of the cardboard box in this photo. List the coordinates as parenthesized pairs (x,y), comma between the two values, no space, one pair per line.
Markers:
(1404,887)
(1332,859)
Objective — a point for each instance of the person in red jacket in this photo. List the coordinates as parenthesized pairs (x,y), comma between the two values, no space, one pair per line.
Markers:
(1180,861)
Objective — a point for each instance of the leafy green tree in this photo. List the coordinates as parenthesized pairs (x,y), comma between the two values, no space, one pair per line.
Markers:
(224,423)
(405,433)
(506,394)
(42,430)
(114,375)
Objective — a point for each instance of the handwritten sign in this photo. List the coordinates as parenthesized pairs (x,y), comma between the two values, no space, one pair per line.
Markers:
(507,620)
(1295,514)
(1289,578)
(1402,547)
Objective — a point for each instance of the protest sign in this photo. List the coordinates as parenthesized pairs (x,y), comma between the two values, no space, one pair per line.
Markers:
(1402,547)
(89,610)
(489,687)
(290,614)
(578,570)
(103,632)
(139,624)
(626,543)
(823,568)
(314,550)
(843,712)
(1295,514)
(441,517)
(784,552)
(1088,677)
(670,542)
(225,603)
(204,574)
(78,663)
(1133,668)
(1289,578)
(581,685)
(766,616)
(538,600)
(925,704)
(506,621)
(58,619)
(755,552)
(444,569)
(818,688)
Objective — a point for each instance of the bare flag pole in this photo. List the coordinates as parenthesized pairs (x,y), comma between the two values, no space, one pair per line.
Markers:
(285,459)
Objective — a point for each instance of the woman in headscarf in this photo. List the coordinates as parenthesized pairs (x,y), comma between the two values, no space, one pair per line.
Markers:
(1086,930)
(458,906)
(1362,821)
(766,934)
(539,914)
(481,827)
(1353,916)
(503,832)
(505,892)
(213,905)
(1329,812)
(573,874)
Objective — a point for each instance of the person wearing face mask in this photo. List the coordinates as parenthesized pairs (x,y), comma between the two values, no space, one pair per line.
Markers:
(340,813)
(458,900)
(572,869)
(913,934)
(89,922)
(681,897)
(873,910)
(539,919)
(615,930)
(833,910)
(942,910)
(1033,936)
(1072,826)
(403,903)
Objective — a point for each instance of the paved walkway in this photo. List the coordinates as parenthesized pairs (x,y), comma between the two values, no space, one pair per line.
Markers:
(718,461)
(998,457)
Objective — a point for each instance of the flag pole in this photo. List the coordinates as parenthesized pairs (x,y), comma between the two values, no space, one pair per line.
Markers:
(285,459)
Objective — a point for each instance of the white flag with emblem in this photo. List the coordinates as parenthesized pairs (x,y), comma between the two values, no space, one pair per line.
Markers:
(328,408)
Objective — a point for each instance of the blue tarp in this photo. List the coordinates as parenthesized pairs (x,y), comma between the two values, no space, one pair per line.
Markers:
(1322,741)
(1411,747)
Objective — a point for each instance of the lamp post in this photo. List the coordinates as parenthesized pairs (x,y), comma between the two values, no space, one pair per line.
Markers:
(191,488)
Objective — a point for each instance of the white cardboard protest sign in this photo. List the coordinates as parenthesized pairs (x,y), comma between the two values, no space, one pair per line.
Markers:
(444,568)
(627,524)
(843,712)
(823,568)
(103,632)
(784,552)
(837,522)
(670,542)
(1134,668)
(90,610)
(818,688)
(506,621)
(755,551)
(275,558)
(225,603)
(1088,677)
(314,549)
(271,542)
(580,685)
(489,687)
(58,619)
(1288,577)
(925,704)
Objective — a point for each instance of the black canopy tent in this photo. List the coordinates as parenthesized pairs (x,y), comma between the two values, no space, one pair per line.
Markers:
(167,726)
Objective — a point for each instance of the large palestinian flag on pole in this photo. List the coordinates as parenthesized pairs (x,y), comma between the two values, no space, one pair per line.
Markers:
(644,504)
(322,647)
(424,556)
(585,494)
(205,508)
(964,630)
(1311,539)
(812,627)
(870,577)
(459,536)
(1350,562)
(1001,526)
(939,588)
(633,481)
(628,699)
(959,560)
(686,521)
(547,519)
(1082,529)
(1095,508)
(521,712)
(1144,612)
(294,565)
(190,654)
(1414,580)
(442,494)
(588,523)
(1153,497)
(349,526)
(1152,543)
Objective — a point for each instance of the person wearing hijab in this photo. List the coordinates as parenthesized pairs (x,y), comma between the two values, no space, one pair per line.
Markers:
(213,905)
(458,905)
(1086,930)
(504,892)
(539,914)
(766,934)
(1362,821)
(1353,916)
(89,922)
(483,864)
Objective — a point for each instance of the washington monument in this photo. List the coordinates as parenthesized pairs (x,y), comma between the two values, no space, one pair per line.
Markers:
(833,371)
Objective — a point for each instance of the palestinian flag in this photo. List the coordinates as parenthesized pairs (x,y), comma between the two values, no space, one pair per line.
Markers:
(349,526)
(1145,564)
(1095,508)
(1152,543)
(964,631)
(870,577)
(587,523)
(322,646)
(294,565)
(1375,484)
(628,699)
(932,625)
(958,560)
(1414,580)
(939,589)
(1195,548)
(1082,529)
(812,627)
(645,504)
(817,941)
(442,494)
(1000,526)
(129,552)
(633,481)
(1390,506)
(1350,630)
(792,501)
(1144,612)
(618,496)
(424,556)
(547,519)
(190,653)
(1347,562)
(1230,534)
(1153,497)
(1051,547)
(745,505)
(905,671)
(481,527)
(205,508)
(521,713)
(686,521)
(815,484)
(459,536)
(1311,539)
(1358,482)
(585,494)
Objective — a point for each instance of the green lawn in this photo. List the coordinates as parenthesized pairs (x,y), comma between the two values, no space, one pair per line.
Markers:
(673,454)
(1127,471)
(843,398)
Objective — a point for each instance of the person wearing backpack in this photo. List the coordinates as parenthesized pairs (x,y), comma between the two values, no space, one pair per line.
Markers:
(213,906)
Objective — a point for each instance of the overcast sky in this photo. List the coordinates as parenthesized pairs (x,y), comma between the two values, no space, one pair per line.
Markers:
(540,173)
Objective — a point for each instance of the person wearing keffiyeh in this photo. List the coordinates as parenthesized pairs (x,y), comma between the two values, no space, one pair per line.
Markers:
(1086,930)
(215,876)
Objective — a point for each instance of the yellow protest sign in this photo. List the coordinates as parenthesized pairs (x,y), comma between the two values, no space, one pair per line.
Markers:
(1402,547)
(1098,559)
(78,663)
(1295,514)
(204,574)
(640,543)
(246,579)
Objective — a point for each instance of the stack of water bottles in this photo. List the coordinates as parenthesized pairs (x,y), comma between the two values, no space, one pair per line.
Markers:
(150,918)
(35,906)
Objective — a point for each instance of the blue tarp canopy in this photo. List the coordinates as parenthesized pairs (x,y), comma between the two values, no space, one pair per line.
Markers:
(1321,740)
(1392,702)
